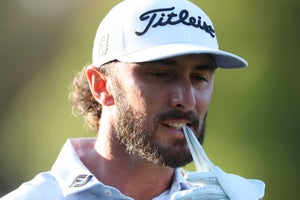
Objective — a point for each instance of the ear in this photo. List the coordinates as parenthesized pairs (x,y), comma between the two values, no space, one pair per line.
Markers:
(98,85)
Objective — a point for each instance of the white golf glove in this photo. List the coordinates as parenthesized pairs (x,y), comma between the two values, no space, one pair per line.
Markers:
(211,183)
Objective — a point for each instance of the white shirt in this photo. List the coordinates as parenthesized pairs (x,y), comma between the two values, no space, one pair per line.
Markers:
(70,179)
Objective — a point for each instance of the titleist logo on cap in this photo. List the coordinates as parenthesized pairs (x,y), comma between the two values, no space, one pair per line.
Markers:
(171,18)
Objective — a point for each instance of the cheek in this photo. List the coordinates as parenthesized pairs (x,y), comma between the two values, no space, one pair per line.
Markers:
(137,97)
(149,100)
(203,99)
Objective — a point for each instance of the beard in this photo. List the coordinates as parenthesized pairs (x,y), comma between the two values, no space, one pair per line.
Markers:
(136,133)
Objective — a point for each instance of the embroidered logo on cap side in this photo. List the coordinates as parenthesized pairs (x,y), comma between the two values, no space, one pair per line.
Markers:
(103,45)
(171,18)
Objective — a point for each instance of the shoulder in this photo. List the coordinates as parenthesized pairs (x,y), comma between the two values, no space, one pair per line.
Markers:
(41,187)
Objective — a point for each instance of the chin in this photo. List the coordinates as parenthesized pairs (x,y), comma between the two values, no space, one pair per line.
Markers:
(174,157)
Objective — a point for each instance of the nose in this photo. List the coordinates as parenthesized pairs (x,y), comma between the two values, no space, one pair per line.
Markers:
(183,96)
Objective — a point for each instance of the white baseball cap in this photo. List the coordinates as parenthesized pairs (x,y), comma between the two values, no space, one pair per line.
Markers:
(147,30)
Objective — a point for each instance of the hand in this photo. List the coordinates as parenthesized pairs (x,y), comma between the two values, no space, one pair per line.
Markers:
(205,187)
(212,183)
(220,186)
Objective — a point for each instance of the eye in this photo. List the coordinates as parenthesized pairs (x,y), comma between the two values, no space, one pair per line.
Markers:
(160,74)
(199,78)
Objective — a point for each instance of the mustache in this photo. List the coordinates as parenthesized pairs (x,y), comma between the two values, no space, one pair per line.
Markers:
(180,115)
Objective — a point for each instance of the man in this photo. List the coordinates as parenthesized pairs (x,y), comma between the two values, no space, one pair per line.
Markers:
(152,73)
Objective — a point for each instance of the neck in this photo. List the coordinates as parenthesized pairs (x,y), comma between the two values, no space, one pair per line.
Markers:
(133,176)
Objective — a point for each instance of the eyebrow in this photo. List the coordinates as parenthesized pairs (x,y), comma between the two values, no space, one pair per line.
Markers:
(211,67)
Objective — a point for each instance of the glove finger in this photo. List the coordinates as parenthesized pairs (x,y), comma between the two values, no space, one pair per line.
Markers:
(200,158)
(209,192)
(201,178)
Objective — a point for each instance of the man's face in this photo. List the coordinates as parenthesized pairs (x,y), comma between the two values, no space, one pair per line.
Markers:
(155,99)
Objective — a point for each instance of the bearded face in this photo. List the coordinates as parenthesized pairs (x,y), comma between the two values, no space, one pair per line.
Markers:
(154,100)
(136,132)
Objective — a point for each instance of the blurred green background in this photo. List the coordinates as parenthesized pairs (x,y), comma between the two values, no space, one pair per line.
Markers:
(253,124)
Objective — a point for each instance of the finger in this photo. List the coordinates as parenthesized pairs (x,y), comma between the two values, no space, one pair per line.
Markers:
(200,158)
(201,178)
(209,192)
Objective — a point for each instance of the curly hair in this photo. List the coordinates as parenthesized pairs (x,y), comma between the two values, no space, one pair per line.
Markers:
(83,101)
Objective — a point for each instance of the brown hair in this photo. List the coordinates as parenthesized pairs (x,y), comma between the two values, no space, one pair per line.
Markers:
(83,102)
(82,99)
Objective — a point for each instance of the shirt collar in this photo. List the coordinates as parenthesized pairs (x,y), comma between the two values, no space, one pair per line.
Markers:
(70,173)
(181,181)
(178,184)
(73,176)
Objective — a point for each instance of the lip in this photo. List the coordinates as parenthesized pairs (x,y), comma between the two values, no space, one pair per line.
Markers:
(176,123)
(175,127)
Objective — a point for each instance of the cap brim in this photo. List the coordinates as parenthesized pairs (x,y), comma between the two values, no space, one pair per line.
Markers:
(222,59)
